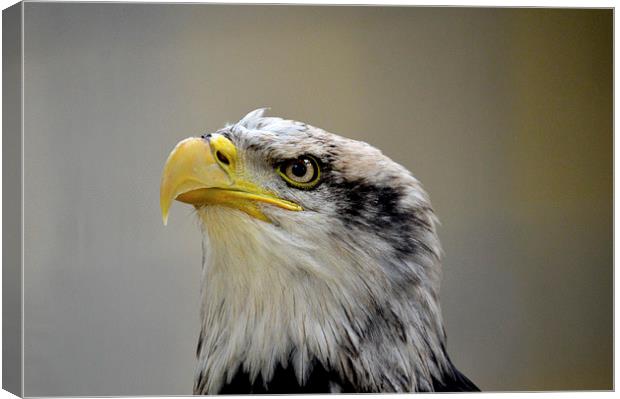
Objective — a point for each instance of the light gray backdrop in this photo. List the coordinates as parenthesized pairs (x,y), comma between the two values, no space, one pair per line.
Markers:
(505,115)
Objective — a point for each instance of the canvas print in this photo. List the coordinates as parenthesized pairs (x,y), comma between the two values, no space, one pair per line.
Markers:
(206,199)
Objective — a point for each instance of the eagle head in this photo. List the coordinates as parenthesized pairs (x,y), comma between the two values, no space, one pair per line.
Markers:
(321,262)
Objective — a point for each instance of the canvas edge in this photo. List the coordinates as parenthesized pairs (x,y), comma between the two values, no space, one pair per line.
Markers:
(12,208)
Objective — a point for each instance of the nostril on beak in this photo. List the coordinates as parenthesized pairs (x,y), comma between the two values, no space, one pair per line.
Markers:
(206,136)
(222,158)
(223,150)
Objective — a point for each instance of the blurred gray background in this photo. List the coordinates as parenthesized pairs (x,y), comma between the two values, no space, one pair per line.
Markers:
(505,116)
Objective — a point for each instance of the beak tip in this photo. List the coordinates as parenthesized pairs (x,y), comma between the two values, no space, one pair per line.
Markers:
(164,204)
(164,217)
(165,208)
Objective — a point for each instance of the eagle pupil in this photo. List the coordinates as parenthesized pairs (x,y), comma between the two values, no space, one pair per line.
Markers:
(299,169)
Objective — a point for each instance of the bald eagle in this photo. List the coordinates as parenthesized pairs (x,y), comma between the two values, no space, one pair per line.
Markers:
(321,263)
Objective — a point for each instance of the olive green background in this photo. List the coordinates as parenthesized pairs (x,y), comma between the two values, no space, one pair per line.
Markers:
(505,115)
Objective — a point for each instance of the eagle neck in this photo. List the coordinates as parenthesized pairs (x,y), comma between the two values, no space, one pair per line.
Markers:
(270,303)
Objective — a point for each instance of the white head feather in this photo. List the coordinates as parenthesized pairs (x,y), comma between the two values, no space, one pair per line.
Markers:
(351,282)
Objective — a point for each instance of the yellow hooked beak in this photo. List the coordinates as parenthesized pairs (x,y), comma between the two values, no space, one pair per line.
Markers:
(205,172)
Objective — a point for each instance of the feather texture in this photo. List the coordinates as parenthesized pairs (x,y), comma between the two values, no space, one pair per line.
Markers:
(342,297)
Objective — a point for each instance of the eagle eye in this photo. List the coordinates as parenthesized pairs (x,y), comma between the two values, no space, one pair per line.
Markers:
(302,172)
